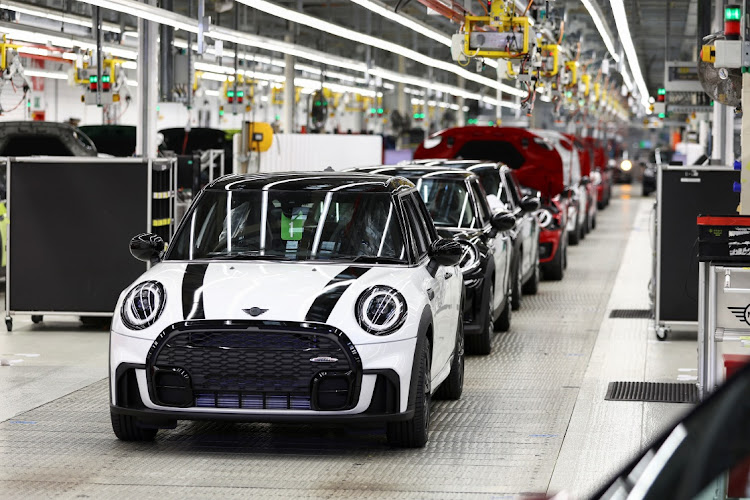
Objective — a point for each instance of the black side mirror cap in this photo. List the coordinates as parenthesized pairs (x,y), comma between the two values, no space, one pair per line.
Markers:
(147,247)
(530,204)
(445,252)
(503,221)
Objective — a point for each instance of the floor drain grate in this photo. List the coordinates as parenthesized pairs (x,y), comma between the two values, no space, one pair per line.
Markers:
(652,392)
(630,313)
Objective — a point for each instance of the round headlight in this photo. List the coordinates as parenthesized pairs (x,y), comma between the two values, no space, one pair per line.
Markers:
(380,310)
(469,257)
(626,165)
(545,217)
(143,305)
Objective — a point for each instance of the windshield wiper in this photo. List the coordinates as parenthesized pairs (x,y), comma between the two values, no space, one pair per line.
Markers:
(374,258)
(245,256)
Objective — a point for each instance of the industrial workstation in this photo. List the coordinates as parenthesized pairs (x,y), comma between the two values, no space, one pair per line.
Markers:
(375,249)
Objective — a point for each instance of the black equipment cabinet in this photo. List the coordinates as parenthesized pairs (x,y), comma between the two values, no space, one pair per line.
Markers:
(684,193)
(70,223)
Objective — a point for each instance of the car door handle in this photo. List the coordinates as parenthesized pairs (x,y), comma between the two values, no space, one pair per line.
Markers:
(448,275)
(430,294)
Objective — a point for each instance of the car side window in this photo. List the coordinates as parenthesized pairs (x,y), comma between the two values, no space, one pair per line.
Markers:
(412,215)
(480,198)
(515,194)
(424,216)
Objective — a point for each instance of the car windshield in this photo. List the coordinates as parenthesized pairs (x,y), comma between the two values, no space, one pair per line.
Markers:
(448,202)
(291,225)
(490,180)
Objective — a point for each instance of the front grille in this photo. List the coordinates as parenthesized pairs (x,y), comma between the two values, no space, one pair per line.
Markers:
(254,365)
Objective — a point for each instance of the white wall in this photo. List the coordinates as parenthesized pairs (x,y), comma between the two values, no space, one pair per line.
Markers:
(301,152)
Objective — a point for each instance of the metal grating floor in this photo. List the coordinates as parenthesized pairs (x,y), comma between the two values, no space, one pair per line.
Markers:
(630,313)
(501,439)
(653,392)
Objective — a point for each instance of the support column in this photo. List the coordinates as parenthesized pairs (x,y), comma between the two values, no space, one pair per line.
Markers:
(719,121)
(289,104)
(402,104)
(148,87)
(499,97)
(745,138)
(460,117)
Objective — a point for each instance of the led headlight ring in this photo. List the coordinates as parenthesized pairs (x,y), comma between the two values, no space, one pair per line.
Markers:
(380,310)
(143,305)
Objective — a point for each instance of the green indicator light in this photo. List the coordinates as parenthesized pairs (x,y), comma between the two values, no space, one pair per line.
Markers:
(372,110)
(230,93)
(732,14)
(416,115)
(318,103)
(105,78)
(277,117)
(490,123)
(28,104)
(380,111)
(93,79)
(240,93)
(325,103)
(221,112)
(568,94)
(157,109)
(662,115)
(662,91)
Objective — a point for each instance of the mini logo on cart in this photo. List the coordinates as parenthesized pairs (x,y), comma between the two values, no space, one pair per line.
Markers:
(741,313)
(254,311)
(323,359)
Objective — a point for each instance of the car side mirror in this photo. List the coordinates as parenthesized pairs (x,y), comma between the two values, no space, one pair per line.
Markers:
(585,180)
(503,221)
(147,247)
(530,204)
(445,252)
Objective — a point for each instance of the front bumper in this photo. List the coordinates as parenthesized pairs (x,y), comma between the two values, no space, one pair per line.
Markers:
(549,242)
(207,379)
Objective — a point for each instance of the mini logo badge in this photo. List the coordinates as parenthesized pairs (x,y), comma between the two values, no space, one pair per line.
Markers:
(741,313)
(323,359)
(254,311)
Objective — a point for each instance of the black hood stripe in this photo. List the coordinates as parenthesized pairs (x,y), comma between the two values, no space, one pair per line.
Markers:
(192,281)
(324,303)
(348,274)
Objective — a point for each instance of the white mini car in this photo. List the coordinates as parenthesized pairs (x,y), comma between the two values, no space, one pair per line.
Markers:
(292,297)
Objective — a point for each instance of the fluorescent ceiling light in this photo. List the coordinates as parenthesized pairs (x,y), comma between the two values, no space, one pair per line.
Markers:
(621,21)
(148,12)
(46,74)
(45,37)
(406,21)
(355,36)
(62,17)
(601,27)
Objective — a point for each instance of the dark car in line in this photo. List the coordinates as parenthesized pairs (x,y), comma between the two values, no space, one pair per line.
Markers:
(504,193)
(459,208)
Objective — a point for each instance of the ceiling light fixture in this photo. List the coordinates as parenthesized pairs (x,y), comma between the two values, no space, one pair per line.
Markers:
(52,15)
(601,27)
(355,36)
(621,21)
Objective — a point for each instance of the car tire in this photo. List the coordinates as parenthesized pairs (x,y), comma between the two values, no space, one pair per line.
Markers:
(516,295)
(413,433)
(503,321)
(574,237)
(126,428)
(555,270)
(482,343)
(531,287)
(453,386)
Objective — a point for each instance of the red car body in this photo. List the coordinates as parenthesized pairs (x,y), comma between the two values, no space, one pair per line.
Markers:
(535,163)
(586,157)
(599,155)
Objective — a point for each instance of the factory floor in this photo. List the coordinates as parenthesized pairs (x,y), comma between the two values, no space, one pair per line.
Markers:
(532,418)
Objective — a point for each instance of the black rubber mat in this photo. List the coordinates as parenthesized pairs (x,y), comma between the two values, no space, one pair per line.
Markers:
(652,392)
(630,313)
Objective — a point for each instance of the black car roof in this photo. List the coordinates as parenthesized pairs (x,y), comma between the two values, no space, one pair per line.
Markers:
(419,171)
(311,181)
